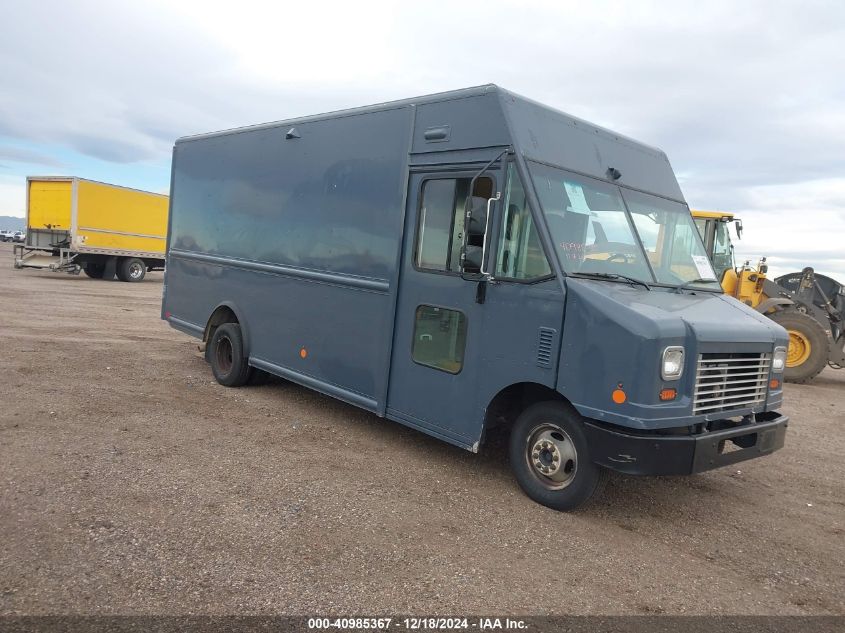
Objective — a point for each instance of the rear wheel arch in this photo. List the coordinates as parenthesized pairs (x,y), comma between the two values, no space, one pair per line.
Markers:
(226,312)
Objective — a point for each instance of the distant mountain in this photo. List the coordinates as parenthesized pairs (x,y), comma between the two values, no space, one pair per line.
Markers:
(11,223)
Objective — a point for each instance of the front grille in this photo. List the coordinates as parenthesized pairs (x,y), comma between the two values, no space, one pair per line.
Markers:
(726,382)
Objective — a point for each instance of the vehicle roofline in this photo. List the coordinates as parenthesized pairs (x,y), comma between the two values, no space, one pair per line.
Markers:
(449,95)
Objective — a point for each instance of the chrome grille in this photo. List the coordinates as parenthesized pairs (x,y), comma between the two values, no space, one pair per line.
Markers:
(725,382)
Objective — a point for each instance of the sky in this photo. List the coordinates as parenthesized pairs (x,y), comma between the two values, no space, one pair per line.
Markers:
(746,98)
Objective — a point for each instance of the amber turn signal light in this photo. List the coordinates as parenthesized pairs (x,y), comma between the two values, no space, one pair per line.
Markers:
(668,394)
(774,383)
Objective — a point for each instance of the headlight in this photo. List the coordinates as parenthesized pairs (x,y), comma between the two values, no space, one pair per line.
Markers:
(779,359)
(673,363)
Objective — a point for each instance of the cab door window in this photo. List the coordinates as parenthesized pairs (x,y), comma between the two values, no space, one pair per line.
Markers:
(442,222)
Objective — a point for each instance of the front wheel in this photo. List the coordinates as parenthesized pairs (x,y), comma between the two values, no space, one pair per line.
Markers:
(550,458)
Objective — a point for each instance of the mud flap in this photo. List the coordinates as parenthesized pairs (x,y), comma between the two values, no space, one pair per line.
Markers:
(111,268)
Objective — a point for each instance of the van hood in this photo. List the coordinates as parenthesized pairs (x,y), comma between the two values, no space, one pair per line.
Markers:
(665,313)
(614,335)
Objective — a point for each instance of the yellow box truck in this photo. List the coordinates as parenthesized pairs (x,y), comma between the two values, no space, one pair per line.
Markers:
(76,225)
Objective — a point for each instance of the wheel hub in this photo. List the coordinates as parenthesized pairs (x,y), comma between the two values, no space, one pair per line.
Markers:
(799,349)
(552,456)
(546,457)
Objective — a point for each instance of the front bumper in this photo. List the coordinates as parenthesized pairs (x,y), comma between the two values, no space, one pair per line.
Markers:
(651,454)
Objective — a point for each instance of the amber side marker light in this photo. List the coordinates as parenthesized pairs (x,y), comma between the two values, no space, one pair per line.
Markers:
(668,394)
(774,383)
(618,395)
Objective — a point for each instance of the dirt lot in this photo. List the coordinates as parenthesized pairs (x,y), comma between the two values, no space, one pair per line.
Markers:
(130,482)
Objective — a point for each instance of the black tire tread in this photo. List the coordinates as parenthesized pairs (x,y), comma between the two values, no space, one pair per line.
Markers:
(812,329)
(240,372)
(581,491)
(95,271)
(123,269)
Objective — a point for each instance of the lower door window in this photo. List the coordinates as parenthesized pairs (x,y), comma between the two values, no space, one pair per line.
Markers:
(439,338)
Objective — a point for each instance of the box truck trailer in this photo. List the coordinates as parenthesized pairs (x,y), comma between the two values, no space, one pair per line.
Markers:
(472,259)
(75,225)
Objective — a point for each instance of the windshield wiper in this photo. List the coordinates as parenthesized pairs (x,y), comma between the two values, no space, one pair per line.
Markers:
(615,276)
(687,285)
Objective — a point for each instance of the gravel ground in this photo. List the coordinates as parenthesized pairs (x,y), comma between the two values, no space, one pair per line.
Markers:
(131,483)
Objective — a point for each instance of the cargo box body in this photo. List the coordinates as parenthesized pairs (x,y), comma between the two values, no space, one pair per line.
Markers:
(95,217)
(73,221)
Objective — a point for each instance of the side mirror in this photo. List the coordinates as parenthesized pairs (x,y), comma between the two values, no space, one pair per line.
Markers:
(473,258)
(739,229)
(475,235)
(477,223)
(476,220)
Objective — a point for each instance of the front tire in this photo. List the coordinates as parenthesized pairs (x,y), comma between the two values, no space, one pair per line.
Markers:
(225,352)
(131,269)
(550,457)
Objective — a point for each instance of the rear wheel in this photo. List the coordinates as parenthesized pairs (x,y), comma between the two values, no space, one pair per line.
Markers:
(95,270)
(550,458)
(131,269)
(807,353)
(225,352)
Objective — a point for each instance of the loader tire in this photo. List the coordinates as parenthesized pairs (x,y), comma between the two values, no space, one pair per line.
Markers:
(131,269)
(225,352)
(807,354)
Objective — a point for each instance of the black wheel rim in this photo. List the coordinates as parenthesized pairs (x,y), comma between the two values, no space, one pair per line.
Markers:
(224,354)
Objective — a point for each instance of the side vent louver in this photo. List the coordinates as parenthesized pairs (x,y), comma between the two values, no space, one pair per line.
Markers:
(544,346)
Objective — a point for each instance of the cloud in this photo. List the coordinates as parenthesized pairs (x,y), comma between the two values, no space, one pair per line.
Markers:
(23,155)
(795,227)
(12,196)
(735,93)
(743,97)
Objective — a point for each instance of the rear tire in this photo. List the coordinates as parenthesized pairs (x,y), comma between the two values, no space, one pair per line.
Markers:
(225,352)
(131,269)
(808,353)
(95,270)
(550,457)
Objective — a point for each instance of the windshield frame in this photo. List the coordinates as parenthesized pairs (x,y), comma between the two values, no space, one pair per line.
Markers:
(710,285)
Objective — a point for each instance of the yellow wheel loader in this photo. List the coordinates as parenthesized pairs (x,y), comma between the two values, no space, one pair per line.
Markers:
(810,306)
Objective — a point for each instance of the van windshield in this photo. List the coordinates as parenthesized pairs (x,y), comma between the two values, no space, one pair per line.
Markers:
(601,228)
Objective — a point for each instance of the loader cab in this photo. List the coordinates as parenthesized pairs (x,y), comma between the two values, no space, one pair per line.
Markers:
(714,228)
